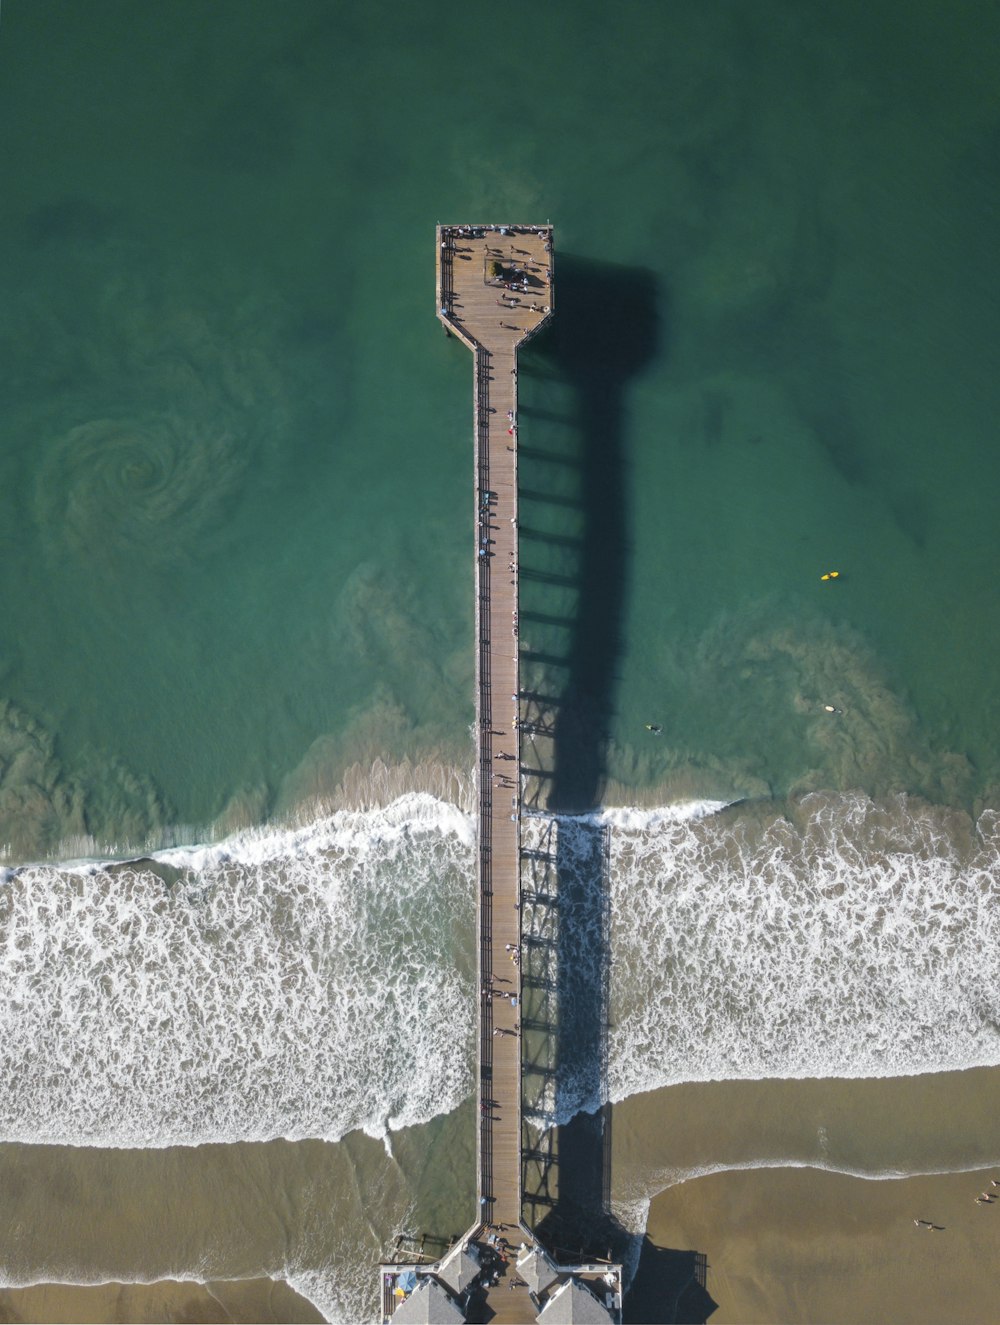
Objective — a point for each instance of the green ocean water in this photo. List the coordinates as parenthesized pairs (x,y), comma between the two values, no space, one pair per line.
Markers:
(235,466)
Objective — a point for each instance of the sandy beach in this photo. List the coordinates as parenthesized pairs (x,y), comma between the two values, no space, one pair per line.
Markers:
(752,1187)
(798,1245)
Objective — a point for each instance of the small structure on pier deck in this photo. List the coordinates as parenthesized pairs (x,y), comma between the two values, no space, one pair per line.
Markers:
(495,289)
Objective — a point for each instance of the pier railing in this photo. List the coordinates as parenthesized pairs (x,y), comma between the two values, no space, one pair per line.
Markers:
(485,745)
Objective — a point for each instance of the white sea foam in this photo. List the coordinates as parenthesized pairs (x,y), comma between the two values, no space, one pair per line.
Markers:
(628,819)
(847,939)
(300,983)
(308,981)
(842,938)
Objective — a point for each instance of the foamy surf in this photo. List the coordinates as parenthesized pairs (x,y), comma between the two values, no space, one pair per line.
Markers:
(631,819)
(302,983)
(846,938)
(307,981)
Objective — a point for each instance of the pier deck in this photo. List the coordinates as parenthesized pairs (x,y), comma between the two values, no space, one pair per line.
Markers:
(494,291)
(476,268)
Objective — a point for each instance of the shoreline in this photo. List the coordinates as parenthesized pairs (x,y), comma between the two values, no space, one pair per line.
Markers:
(269,1301)
(864,1128)
(801,1197)
(804,1244)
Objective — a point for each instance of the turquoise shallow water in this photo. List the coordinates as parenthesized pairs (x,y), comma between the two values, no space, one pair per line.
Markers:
(234,450)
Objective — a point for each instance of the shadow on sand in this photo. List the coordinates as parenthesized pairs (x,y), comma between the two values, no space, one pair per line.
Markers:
(574,569)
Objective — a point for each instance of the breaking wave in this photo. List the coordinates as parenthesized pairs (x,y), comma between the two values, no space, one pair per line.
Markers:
(842,938)
(307,982)
(294,984)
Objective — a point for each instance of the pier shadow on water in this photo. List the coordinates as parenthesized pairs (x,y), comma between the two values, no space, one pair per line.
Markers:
(574,555)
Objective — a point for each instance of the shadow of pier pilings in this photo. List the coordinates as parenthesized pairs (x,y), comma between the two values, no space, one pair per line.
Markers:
(574,557)
(671,1286)
(574,563)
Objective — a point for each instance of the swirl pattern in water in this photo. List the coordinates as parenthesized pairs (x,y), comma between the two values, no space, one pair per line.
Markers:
(143,423)
(148,485)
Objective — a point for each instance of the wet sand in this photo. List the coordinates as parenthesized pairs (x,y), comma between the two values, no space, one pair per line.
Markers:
(309,1215)
(781,1243)
(747,1178)
(168,1300)
(893,1127)
(791,1245)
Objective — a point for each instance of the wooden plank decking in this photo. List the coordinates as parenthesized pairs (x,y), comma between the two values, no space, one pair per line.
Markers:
(493,320)
(494,290)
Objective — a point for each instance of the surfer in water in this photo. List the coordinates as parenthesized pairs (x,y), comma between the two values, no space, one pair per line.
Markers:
(654,727)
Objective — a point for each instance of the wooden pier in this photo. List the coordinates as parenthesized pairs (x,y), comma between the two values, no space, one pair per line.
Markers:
(495,289)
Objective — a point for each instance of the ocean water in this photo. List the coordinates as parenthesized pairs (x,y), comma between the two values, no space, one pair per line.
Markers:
(234,453)
(304,984)
(311,983)
(235,530)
